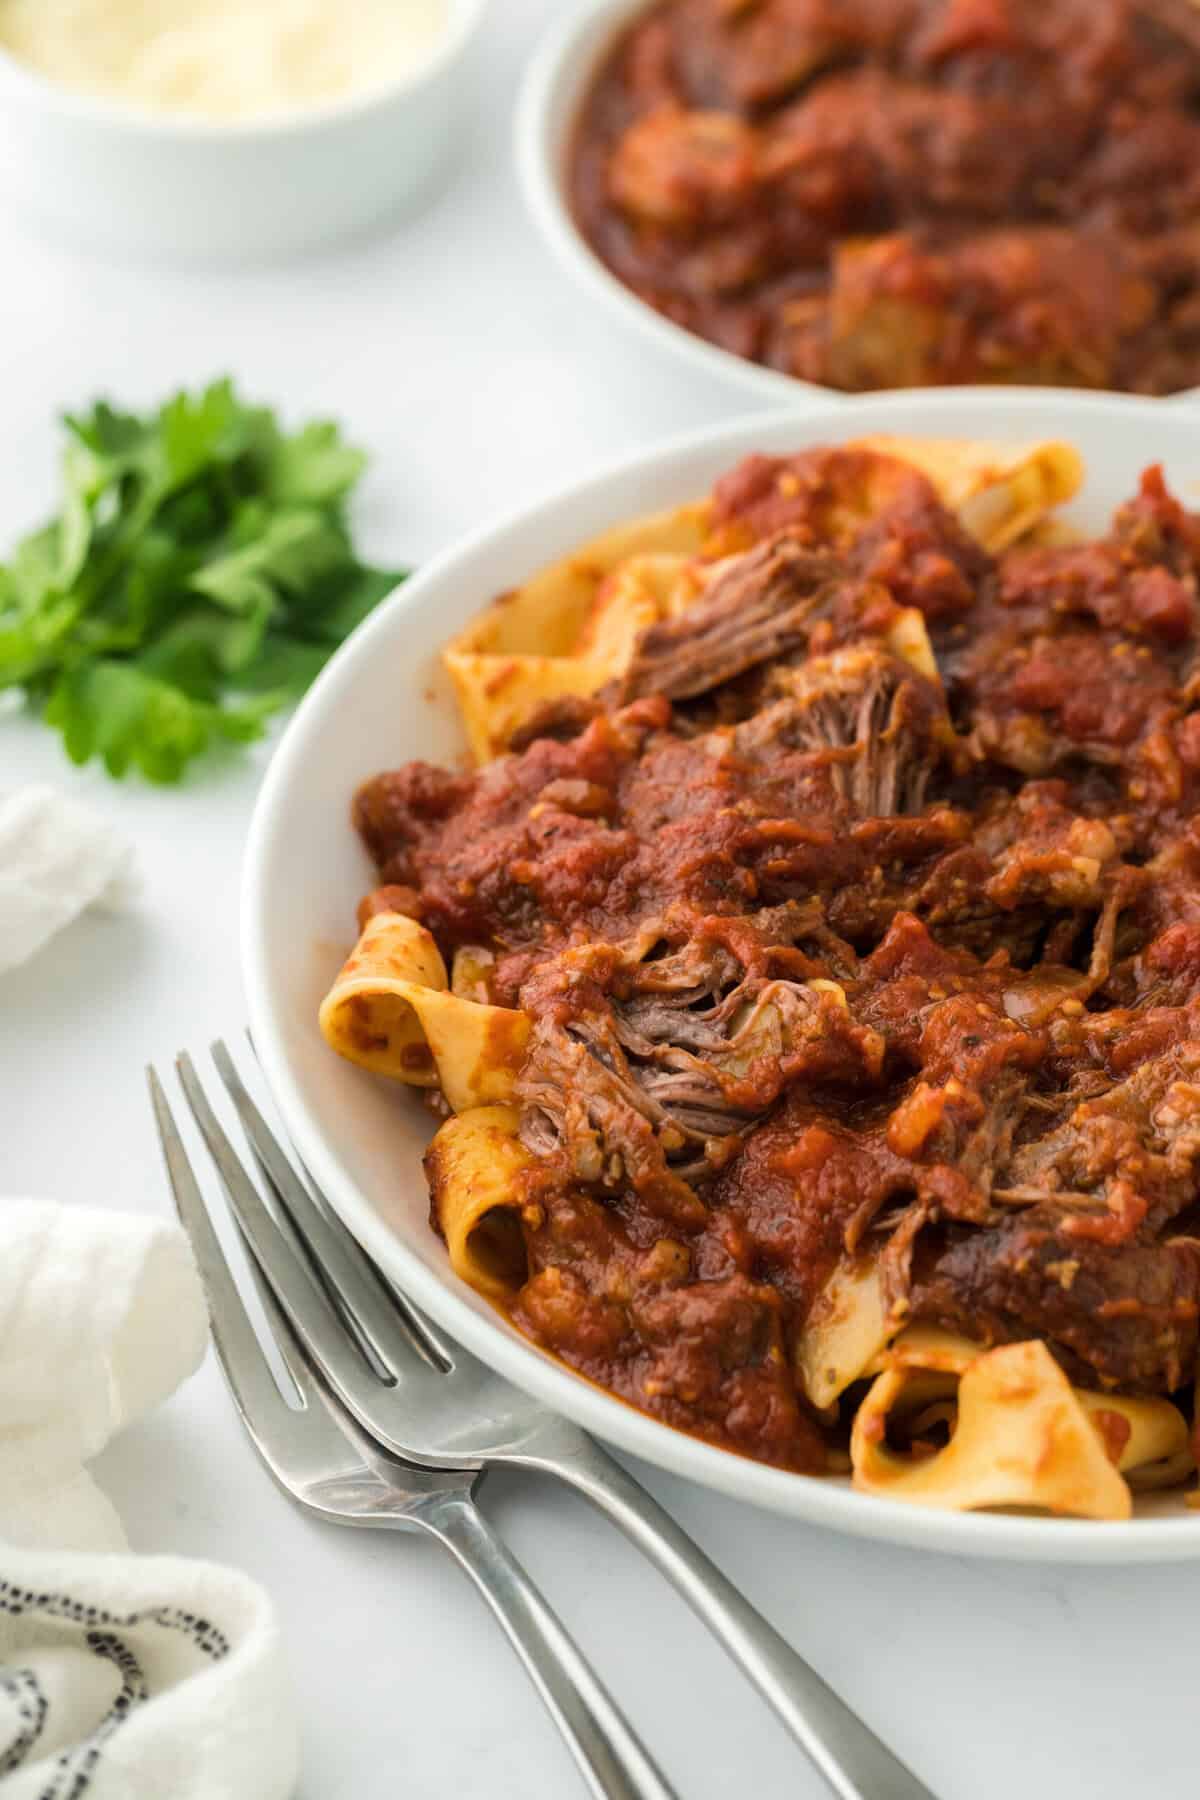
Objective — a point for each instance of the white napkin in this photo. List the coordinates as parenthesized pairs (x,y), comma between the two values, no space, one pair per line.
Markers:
(122,1677)
(56,858)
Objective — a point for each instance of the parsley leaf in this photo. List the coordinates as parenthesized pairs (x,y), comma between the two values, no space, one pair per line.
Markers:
(198,576)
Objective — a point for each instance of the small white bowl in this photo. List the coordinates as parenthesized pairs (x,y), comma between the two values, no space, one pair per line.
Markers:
(554,88)
(553,91)
(120,180)
(384,699)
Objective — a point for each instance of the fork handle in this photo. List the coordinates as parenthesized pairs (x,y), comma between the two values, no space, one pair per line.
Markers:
(856,1765)
(610,1756)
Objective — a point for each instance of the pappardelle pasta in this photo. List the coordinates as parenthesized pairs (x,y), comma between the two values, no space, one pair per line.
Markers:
(807,976)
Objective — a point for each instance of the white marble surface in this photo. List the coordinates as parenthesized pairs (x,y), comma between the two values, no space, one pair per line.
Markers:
(477,377)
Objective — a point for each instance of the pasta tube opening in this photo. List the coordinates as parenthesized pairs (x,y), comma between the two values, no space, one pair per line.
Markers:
(476,1166)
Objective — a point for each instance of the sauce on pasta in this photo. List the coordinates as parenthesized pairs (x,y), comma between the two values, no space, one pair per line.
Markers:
(849,928)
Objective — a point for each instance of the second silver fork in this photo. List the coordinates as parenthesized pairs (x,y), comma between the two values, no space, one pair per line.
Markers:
(325,1462)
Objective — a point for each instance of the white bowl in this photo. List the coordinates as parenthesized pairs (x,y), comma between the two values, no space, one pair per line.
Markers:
(158,186)
(383,700)
(557,80)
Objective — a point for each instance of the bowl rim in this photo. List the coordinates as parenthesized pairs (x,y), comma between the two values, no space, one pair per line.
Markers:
(555,81)
(814,1500)
(77,106)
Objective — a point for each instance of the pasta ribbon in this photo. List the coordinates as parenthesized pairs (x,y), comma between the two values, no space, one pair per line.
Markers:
(1150,1437)
(999,491)
(474,1166)
(908,639)
(391,1010)
(570,628)
(1021,1435)
(573,627)
(846,1330)
(647,588)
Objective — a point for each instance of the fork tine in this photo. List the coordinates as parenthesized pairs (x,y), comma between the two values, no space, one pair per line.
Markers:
(267,1415)
(307,1305)
(340,1262)
(435,1347)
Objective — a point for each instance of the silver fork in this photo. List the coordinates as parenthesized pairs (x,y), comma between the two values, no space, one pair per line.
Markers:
(430,1402)
(323,1460)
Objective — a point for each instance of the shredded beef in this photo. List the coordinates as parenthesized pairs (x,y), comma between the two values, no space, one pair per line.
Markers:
(762,605)
(830,949)
(1118,1319)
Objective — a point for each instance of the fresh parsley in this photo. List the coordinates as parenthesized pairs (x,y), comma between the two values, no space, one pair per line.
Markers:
(199,574)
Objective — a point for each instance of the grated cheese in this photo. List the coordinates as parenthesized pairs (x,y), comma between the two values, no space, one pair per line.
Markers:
(221,59)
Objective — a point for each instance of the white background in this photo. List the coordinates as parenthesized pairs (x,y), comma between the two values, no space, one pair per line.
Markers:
(477,377)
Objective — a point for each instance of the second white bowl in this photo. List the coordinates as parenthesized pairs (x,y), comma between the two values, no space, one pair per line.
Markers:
(555,85)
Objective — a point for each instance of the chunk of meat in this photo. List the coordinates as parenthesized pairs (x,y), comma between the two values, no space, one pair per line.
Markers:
(872,150)
(714,1359)
(879,727)
(1101,582)
(708,1357)
(882,513)
(914,310)
(465,842)
(779,598)
(1124,1159)
(639,1073)
(757,607)
(685,169)
(1040,848)
(1166,972)
(804,1186)
(965,1106)
(1119,1318)
(395,809)
(1036,704)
